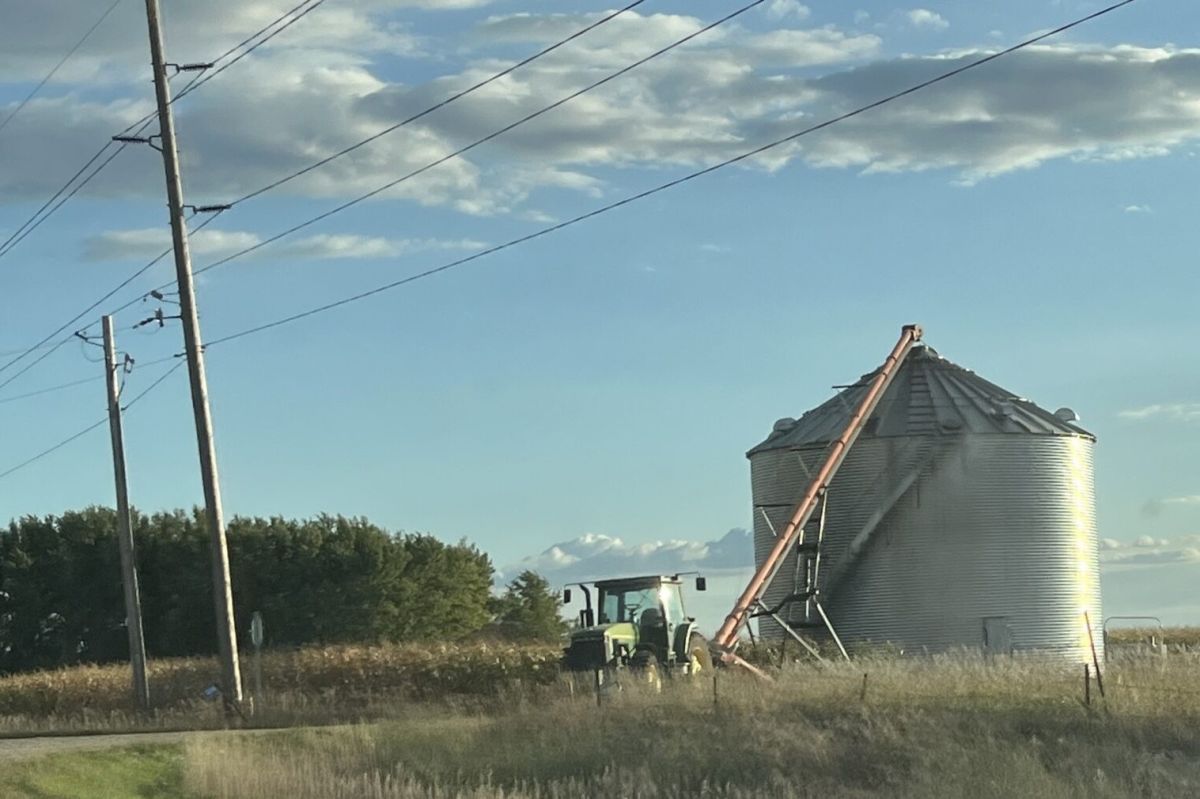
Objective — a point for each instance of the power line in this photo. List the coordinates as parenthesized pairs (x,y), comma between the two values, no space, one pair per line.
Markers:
(58,66)
(427,111)
(74,383)
(49,390)
(54,448)
(496,134)
(40,216)
(153,385)
(670,184)
(49,351)
(452,98)
(209,76)
(260,32)
(138,273)
(75,437)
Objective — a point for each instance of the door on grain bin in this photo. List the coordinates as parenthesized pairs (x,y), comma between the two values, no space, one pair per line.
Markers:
(997,636)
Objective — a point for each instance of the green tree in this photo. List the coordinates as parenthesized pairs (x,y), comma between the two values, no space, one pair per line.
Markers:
(329,579)
(528,610)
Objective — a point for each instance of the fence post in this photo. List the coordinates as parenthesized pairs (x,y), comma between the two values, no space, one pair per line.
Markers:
(1087,685)
(1095,660)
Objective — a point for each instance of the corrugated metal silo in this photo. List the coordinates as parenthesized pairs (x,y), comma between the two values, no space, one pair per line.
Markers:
(963,516)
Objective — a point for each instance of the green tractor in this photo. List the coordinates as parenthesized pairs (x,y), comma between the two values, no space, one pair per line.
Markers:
(637,623)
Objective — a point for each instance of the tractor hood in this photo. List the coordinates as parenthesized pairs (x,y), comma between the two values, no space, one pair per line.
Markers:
(622,630)
(598,646)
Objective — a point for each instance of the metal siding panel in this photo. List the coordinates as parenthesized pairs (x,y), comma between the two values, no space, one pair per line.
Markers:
(992,527)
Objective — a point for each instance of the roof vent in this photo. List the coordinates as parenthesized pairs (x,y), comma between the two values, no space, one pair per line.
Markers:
(784,424)
(1002,409)
(1067,415)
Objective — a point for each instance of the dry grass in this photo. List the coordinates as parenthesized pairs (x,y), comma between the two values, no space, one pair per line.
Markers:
(942,727)
(303,686)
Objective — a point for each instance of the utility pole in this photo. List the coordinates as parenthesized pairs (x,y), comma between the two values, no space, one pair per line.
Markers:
(231,677)
(133,601)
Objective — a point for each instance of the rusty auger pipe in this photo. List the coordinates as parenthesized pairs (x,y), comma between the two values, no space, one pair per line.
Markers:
(726,638)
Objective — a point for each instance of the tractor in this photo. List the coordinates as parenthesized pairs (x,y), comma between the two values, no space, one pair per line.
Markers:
(637,624)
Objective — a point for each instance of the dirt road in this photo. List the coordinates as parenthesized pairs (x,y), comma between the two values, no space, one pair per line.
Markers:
(21,748)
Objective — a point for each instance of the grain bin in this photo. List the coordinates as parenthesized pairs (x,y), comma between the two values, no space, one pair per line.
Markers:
(964,516)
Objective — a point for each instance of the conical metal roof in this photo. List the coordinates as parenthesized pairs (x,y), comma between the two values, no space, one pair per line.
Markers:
(929,396)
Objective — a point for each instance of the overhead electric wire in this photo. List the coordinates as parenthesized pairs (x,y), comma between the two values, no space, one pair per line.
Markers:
(49,351)
(672,183)
(442,104)
(259,32)
(40,216)
(75,437)
(50,389)
(452,98)
(66,325)
(153,385)
(207,76)
(54,448)
(75,48)
(495,134)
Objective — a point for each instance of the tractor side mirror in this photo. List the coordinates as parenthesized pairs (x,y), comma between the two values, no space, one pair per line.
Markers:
(701,584)
(566,598)
(587,618)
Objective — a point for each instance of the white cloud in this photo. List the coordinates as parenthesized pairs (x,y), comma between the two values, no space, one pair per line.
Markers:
(924,18)
(1137,209)
(724,93)
(343,246)
(148,243)
(780,9)
(861,17)
(1177,411)
(1145,576)
(594,555)
(1146,550)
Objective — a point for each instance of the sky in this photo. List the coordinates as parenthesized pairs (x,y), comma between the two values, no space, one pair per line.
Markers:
(604,381)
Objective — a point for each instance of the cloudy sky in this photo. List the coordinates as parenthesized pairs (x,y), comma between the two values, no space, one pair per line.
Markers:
(1034,215)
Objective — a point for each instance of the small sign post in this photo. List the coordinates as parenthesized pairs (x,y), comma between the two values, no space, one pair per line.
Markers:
(256,638)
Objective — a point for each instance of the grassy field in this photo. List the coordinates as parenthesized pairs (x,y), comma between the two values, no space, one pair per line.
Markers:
(137,773)
(939,727)
(307,686)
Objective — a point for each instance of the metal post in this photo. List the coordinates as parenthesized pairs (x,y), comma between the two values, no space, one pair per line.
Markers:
(1095,660)
(133,602)
(231,677)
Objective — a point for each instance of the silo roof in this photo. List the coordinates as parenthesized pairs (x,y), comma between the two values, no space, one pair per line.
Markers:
(929,396)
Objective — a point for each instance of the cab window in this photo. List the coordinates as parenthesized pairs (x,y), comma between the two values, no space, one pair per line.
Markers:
(628,605)
(672,603)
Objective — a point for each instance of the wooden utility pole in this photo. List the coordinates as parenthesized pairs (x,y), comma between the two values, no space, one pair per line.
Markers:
(231,677)
(133,601)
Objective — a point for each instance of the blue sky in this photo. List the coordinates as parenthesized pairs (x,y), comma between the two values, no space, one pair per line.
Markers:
(1035,217)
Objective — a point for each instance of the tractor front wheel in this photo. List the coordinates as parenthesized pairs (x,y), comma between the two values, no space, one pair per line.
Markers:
(698,655)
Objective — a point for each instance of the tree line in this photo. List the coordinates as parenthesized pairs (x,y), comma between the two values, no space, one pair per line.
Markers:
(324,580)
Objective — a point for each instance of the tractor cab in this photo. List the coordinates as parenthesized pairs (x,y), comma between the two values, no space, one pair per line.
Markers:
(638,623)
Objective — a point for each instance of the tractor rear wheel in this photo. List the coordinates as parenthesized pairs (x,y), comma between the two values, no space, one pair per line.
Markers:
(698,655)
(644,667)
